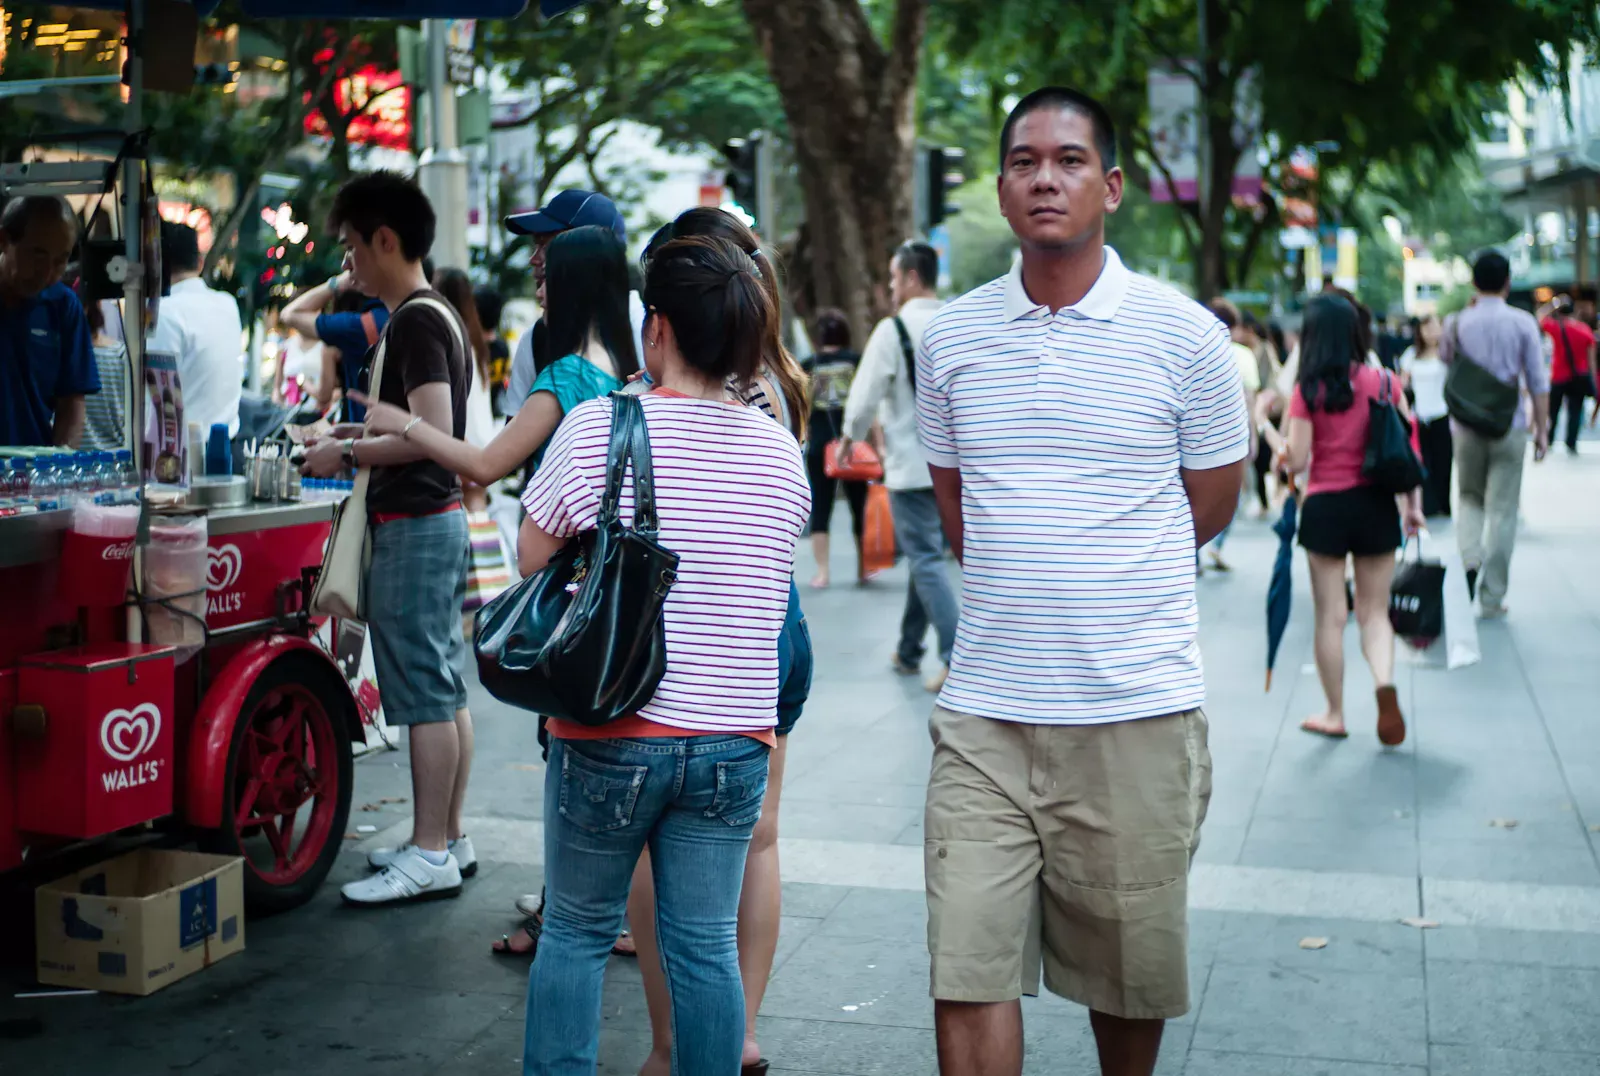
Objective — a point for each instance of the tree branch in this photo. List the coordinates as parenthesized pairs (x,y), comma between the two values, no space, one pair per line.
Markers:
(1252,239)
(1188,214)
(905,47)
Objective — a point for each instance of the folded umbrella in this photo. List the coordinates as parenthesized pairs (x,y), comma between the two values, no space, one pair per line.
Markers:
(1280,589)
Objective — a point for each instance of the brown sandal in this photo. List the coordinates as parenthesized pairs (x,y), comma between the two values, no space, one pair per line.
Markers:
(1391,723)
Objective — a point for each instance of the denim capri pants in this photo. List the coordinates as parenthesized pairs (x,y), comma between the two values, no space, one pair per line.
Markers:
(415,587)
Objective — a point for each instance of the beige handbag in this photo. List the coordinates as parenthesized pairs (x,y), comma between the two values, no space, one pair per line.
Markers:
(341,588)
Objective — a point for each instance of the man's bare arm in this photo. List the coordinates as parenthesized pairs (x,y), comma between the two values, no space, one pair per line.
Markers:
(1213,498)
(72,414)
(947,492)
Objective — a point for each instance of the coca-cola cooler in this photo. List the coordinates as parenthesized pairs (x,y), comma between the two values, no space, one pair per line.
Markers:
(93,739)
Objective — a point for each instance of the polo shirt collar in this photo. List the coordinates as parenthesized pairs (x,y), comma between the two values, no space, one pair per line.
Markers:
(194,283)
(1100,304)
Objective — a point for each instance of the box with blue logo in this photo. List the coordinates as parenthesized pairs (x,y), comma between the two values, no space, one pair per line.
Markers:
(139,922)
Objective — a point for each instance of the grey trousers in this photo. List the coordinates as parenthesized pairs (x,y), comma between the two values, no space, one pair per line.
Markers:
(929,598)
(1489,481)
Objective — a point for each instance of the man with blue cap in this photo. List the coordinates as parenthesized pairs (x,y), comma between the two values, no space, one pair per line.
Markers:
(567,210)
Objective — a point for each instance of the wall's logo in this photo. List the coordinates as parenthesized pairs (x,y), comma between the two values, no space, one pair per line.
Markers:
(222,567)
(127,734)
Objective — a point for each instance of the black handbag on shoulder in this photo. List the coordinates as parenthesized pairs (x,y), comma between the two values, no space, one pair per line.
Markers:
(1390,463)
(584,639)
(1475,397)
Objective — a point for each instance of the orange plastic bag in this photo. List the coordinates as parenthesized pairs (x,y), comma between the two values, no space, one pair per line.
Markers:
(877,538)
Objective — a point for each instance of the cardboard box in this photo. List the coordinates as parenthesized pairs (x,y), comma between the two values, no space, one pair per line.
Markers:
(142,921)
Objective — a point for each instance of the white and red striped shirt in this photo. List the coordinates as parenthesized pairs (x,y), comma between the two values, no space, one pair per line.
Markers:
(732,495)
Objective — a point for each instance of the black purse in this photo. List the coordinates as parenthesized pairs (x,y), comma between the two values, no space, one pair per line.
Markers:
(1390,463)
(584,639)
(1475,397)
(1416,599)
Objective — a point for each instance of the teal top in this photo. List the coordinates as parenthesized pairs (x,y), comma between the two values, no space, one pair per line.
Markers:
(571,379)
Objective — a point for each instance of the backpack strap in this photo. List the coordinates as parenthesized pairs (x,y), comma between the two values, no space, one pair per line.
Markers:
(909,350)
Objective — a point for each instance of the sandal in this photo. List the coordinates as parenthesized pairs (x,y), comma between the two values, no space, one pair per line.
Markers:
(759,1068)
(625,945)
(1319,730)
(533,927)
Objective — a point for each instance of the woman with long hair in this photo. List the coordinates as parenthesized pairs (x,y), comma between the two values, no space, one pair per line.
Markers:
(586,282)
(1344,516)
(780,390)
(685,777)
(832,369)
(1423,371)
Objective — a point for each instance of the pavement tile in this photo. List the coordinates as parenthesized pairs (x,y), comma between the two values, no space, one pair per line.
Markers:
(1215,1063)
(853,980)
(1489,945)
(1327,845)
(892,915)
(851,1049)
(1333,1015)
(1514,1007)
(867,823)
(1508,857)
(1353,946)
(1478,1061)
(808,901)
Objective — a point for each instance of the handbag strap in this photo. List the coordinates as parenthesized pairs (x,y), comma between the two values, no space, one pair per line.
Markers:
(630,441)
(909,352)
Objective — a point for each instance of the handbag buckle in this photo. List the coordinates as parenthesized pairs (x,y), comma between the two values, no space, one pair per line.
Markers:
(668,577)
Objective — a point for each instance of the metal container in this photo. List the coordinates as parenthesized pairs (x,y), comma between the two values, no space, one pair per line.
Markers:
(219,491)
(274,480)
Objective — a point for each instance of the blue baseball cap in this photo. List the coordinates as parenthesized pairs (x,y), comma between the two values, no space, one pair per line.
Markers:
(570,209)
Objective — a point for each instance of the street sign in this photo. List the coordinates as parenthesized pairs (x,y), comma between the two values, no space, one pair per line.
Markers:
(383,9)
(458,51)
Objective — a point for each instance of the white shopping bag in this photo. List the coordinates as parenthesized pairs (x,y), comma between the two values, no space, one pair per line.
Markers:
(1460,620)
(506,511)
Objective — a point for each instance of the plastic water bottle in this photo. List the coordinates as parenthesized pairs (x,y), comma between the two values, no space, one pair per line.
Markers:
(21,483)
(127,479)
(46,485)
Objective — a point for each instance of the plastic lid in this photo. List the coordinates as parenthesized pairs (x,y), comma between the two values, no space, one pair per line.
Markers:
(124,454)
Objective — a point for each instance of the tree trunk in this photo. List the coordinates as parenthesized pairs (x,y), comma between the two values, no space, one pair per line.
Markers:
(850,104)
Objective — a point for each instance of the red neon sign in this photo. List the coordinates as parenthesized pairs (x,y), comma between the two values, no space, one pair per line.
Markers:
(385,109)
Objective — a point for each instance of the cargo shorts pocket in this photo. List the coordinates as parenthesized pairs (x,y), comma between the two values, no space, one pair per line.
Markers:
(598,797)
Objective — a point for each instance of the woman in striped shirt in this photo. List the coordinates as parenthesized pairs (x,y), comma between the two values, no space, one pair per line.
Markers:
(686,775)
(781,391)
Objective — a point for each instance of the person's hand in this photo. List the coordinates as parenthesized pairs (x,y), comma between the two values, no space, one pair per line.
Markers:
(841,455)
(324,458)
(347,431)
(1541,446)
(381,417)
(1415,521)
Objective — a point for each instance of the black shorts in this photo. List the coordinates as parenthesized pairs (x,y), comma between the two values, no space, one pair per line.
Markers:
(1360,522)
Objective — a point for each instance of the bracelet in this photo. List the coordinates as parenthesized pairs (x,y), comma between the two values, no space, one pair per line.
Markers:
(405,434)
(349,452)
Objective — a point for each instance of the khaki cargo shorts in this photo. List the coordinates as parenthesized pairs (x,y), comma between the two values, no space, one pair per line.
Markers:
(1067,846)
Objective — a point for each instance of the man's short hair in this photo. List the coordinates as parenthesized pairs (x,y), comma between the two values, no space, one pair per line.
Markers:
(1105,131)
(1491,272)
(386,200)
(1226,312)
(180,248)
(833,328)
(919,258)
(23,211)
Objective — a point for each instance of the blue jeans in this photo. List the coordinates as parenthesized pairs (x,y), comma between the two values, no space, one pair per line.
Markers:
(415,586)
(694,800)
(930,597)
(795,663)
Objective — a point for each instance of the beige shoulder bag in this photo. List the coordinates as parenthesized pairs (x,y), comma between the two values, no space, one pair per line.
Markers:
(341,588)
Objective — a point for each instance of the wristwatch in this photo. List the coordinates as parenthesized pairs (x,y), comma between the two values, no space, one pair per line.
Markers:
(347,452)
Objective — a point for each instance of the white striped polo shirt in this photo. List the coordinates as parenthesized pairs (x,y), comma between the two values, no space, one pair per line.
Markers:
(733,498)
(1069,429)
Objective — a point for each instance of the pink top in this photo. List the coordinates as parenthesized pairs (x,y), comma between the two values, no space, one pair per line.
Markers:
(732,494)
(1339,438)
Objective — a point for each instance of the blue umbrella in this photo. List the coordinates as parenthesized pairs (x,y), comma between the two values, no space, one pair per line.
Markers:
(1280,589)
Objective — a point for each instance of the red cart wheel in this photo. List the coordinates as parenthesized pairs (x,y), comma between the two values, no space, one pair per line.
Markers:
(290,771)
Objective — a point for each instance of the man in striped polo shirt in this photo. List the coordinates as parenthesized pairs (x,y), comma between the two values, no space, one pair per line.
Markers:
(1086,428)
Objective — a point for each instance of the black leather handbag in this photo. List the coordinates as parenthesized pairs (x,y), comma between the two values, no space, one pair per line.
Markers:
(584,639)
(1475,397)
(1390,462)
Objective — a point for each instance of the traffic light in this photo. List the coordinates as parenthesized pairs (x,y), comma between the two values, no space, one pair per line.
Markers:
(744,172)
(943,176)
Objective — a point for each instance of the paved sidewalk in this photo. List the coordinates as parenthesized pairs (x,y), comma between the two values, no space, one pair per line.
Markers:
(1306,838)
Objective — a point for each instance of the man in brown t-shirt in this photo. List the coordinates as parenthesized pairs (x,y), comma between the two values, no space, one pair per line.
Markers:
(417,579)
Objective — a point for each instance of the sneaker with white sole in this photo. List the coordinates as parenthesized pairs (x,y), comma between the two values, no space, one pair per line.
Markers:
(531,904)
(461,848)
(408,877)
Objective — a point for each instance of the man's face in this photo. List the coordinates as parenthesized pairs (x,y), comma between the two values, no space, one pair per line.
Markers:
(899,286)
(36,261)
(360,260)
(536,262)
(1054,192)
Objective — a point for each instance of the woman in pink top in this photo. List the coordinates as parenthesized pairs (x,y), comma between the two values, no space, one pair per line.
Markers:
(1343,514)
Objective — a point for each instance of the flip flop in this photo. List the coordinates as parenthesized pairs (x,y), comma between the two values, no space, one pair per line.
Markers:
(617,949)
(532,927)
(759,1068)
(1307,726)
(1391,724)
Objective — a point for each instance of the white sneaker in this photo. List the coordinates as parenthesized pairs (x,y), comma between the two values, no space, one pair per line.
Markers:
(461,848)
(531,904)
(408,877)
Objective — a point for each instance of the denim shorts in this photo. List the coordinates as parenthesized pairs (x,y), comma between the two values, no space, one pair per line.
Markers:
(415,587)
(795,663)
